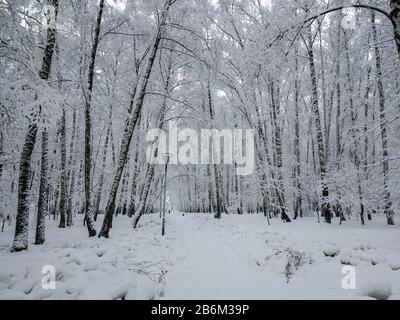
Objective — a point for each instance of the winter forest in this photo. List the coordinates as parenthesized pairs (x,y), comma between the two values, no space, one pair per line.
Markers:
(199,149)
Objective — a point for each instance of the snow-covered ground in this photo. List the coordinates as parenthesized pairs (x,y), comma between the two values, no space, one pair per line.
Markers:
(238,257)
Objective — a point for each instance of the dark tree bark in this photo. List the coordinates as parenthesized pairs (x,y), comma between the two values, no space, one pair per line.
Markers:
(63,177)
(88,125)
(149,177)
(278,145)
(298,210)
(43,203)
(338,97)
(126,141)
(218,199)
(71,171)
(355,149)
(103,167)
(1,152)
(395,15)
(367,105)
(22,220)
(326,212)
(384,136)
(135,172)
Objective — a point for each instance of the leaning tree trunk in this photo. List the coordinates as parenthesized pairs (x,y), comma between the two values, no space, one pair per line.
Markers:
(384,136)
(326,212)
(88,125)
(135,172)
(63,177)
(43,203)
(121,208)
(144,195)
(22,220)
(142,205)
(127,138)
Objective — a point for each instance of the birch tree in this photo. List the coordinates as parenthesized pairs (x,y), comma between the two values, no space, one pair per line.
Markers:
(139,99)
(22,220)
(88,124)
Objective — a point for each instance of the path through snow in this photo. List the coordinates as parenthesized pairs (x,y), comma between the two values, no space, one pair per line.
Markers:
(213,269)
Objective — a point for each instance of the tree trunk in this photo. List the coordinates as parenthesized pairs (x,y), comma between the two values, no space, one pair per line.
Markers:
(324,95)
(298,210)
(88,125)
(126,141)
(63,178)
(103,168)
(22,220)
(43,204)
(218,196)
(326,212)
(395,15)
(278,146)
(385,152)
(71,171)
(135,172)
(366,139)
(262,171)
(149,177)
(1,151)
(338,98)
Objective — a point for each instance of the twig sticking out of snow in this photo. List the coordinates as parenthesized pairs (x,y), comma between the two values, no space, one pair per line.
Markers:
(155,271)
(295,260)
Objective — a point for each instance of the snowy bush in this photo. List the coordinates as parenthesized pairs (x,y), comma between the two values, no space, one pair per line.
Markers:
(379,290)
(331,251)
(295,260)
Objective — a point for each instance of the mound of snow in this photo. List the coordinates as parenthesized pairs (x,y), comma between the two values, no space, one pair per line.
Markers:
(377,259)
(394,263)
(331,251)
(377,290)
(347,258)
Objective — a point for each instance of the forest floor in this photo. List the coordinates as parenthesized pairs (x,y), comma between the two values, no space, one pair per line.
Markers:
(237,257)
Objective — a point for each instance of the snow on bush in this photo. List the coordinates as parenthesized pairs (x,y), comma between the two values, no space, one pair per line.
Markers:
(106,284)
(289,259)
(377,259)
(394,263)
(377,290)
(331,251)
(347,258)
(362,253)
(295,260)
